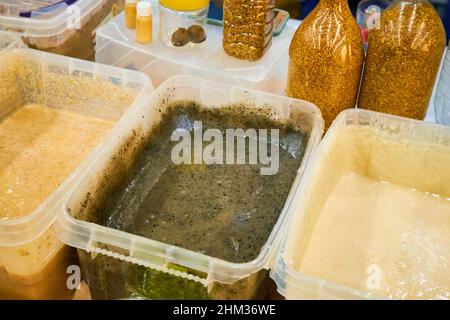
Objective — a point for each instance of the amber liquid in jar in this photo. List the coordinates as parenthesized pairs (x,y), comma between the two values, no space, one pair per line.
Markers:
(247,28)
(403,60)
(326,58)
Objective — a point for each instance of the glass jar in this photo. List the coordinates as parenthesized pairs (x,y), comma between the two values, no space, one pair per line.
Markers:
(326,58)
(247,28)
(403,60)
(183,23)
(442,100)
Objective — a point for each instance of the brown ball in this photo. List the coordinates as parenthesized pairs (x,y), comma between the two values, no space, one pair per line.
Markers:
(198,34)
(181,37)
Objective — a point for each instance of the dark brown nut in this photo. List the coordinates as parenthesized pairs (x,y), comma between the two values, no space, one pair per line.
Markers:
(198,34)
(181,37)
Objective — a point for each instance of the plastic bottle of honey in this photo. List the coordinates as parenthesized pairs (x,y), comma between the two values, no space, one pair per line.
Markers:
(130,13)
(247,28)
(326,58)
(144,22)
(403,60)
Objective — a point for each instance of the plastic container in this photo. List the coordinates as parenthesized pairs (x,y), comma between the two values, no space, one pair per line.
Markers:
(66,30)
(409,45)
(9,42)
(442,99)
(183,14)
(116,46)
(32,261)
(115,262)
(248,28)
(399,154)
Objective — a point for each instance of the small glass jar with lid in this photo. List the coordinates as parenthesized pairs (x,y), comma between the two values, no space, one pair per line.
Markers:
(183,23)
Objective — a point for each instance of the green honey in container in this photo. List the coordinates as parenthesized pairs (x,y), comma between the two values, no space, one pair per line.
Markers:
(149,227)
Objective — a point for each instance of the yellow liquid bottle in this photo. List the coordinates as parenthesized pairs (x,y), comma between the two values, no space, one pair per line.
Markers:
(144,23)
(130,13)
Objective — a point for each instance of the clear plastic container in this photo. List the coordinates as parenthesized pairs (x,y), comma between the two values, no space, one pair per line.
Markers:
(115,263)
(171,20)
(9,42)
(394,250)
(442,98)
(116,46)
(35,86)
(66,30)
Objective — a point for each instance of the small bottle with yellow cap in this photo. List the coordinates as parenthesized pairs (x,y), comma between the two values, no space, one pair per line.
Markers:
(183,23)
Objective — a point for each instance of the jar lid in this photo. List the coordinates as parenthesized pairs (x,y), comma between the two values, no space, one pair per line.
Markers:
(184,5)
(144,9)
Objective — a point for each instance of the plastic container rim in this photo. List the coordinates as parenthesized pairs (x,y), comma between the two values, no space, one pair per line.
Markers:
(50,27)
(252,66)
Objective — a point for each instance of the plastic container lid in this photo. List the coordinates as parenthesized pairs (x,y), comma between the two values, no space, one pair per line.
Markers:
(208,60)
(43,18)
(144,9)
(184,5)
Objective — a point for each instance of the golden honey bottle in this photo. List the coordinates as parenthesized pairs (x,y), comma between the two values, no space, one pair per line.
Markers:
(326,58)
(130,13)
(403,60)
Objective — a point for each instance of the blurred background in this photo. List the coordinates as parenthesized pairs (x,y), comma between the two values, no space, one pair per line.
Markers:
(299,9)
